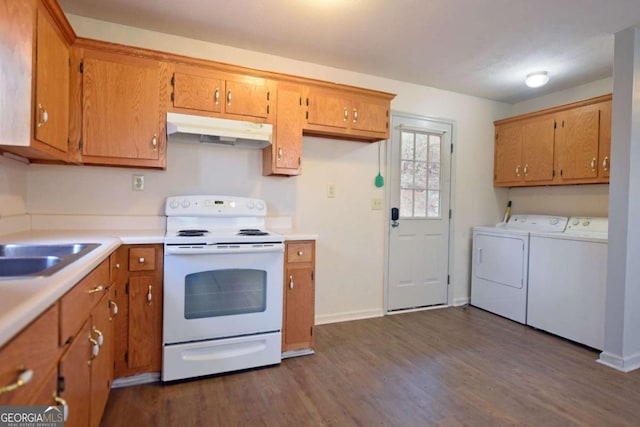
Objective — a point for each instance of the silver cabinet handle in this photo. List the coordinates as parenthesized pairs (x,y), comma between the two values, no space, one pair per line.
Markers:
(149,295)
(605,163)
(300,253)
(23,378)
(216,96)
(526,169)
(518,170)
(280,153)
(154,142)
(141,260)
(355,115)
(229,97)
(346,114)
(593,164)
(290,282)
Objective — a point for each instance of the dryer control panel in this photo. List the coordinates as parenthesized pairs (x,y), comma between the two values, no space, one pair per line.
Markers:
(547,223)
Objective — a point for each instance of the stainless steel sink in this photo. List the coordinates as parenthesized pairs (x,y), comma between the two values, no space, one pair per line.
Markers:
(20,260)
(24,266)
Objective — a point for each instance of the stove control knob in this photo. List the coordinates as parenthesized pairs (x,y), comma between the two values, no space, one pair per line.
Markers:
(575,222)
(260,205)
(554,221)
(251,204)
(586,222)
(174,204)
(186,203)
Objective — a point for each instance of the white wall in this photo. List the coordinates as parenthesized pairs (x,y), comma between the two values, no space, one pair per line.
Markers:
(571,200)
(13,187)
(350,251)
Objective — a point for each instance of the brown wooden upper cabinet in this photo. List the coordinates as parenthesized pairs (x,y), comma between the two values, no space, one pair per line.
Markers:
(284,156)
(568,144)
(37,40)
(202,90)
(336,112)
(123,122)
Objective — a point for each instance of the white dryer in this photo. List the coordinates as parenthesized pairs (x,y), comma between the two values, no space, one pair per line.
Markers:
(567,281)
(501,261)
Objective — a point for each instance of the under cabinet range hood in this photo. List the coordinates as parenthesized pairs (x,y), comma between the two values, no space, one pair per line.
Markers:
(211,130)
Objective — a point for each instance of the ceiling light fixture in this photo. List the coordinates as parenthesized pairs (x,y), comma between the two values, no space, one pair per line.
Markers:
(537,79)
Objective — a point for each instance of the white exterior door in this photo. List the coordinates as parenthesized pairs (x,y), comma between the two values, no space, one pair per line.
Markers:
(419,188)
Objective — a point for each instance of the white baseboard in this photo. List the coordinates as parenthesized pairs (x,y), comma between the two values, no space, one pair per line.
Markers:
(624,364)
(152,377)
(346,316)
(461,301)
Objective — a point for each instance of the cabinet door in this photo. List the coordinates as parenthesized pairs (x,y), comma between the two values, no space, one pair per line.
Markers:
(537,150)
(145,323)
(327,108)
(35,349)
(75,374)
(604,148)
(247,97)
(102,364)
(52,85)
(120,276)
(121,108)
(508,156)
(577,136)
(197,91)
(299,308)
(288,131)
(370,115)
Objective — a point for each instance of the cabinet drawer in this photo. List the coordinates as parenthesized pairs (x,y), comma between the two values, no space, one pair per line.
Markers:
(141,259)
(35,348)
(76,304)
(300,252)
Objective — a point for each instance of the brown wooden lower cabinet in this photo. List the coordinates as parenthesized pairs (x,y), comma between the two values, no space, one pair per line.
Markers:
(299,296)
(138,294)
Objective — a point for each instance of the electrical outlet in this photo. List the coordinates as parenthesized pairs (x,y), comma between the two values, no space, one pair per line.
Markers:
(331,191)
(376,204)
(137,183)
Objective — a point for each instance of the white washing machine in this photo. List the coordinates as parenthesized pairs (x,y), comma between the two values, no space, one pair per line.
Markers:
(501,261)
(567,281)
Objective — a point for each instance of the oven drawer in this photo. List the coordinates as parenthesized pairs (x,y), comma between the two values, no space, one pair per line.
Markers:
(225,355)
(299,251)
(142,259)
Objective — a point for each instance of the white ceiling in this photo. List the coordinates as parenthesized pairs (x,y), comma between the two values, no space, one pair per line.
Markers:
(477,47)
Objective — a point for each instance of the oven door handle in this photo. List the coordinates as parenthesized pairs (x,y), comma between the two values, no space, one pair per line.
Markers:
(223,249)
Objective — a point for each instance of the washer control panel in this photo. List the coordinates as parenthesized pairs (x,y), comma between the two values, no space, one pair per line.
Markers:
(585,224)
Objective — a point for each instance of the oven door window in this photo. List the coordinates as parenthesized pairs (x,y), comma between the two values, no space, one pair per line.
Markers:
(225,292)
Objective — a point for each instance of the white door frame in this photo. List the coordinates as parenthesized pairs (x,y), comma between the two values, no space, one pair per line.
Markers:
(387,228)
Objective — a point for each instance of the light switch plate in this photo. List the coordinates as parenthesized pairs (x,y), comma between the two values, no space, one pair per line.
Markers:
(331,191)
(377,204)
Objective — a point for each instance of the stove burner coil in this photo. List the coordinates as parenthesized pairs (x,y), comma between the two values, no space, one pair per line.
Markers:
(192,233)
(252,232)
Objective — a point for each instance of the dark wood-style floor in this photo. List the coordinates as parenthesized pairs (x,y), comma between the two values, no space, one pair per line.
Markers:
(447,367)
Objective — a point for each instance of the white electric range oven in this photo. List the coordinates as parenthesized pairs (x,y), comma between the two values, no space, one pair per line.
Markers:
(223,278)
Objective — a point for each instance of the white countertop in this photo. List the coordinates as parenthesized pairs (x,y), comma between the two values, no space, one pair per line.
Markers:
(23,300)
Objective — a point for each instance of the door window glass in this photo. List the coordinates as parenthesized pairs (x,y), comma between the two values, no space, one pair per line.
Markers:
(225,292)
(419,174)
